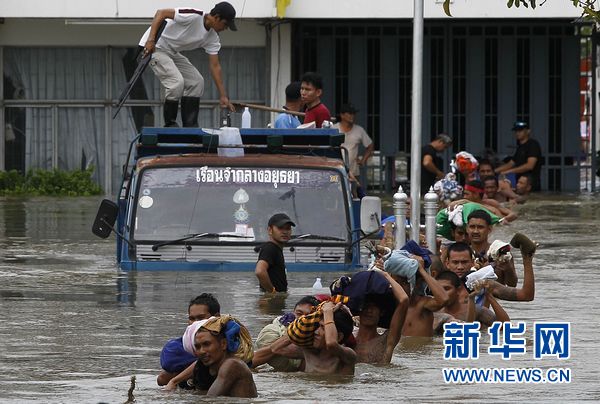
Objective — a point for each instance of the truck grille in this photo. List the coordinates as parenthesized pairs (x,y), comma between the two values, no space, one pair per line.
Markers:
(321,254)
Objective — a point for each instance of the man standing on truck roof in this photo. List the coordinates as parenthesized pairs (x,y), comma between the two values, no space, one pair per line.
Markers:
(187,29)
(270,267)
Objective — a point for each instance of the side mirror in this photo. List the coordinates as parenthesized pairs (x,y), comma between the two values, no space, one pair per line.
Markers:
(370,214)
(105,218)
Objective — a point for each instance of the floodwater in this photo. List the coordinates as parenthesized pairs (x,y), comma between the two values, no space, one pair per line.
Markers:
(75,329)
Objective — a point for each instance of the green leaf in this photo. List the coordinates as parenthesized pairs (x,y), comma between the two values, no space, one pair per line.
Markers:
(510,3)
(533,3)
(447,8)
(517,3)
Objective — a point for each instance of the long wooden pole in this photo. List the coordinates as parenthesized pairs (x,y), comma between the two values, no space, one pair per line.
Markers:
(267,108)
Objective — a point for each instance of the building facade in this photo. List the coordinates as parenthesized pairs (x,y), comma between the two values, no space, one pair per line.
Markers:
(64,62)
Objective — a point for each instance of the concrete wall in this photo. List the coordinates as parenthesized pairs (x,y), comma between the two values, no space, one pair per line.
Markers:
(55,32)
(297,8)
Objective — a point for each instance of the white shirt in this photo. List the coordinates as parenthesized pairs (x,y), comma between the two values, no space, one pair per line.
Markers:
(353,138)
(186,32)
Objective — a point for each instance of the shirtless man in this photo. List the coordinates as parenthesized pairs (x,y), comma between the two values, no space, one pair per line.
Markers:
(419,317)
(233,378)
(327,355)
(372,347)
(479,227)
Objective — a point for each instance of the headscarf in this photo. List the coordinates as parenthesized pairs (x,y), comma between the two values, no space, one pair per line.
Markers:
(301,331)
(239,340)
(189,335)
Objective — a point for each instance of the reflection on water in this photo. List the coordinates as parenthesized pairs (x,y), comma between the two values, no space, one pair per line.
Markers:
(74,328)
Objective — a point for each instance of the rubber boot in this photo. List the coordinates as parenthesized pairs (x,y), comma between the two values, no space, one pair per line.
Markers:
(523,242)
(170,110)
(189,111)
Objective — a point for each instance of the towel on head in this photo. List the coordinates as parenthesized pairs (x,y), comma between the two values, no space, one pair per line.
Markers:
(400,263)
(189,336)
(301,331)
(239,340)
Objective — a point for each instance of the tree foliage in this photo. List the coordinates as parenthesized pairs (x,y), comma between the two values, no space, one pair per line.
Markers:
(49,182)
(588,7)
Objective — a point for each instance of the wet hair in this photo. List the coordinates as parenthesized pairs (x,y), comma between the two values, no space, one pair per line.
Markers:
(490,178)
(480,214)
(209,301)
(292,91)
(311,300)
(449,276)
(444,138)
(343,323)
(313,78)
(458,247)
(529,179)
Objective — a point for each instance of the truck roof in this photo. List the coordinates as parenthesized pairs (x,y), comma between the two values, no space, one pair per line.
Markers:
(250,160)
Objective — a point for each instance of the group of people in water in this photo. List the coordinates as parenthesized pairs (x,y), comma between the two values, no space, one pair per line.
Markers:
(412,292)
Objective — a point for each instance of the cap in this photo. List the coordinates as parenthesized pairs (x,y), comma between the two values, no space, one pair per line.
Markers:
(348,108)
(280,219)
(226,12)
(520,125)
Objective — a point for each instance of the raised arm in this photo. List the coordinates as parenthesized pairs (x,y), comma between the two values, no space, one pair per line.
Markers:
(508,270)
(440,296)
(346,355)
(397,321)
(524,294)
(501,314)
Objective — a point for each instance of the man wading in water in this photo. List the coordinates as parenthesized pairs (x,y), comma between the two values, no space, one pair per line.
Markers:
(233,378)
(270,267)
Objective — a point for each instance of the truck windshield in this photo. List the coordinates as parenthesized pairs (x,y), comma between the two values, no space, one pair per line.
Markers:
(174,202)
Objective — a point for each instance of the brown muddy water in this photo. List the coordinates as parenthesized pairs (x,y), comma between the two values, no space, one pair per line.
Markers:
(73,328)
